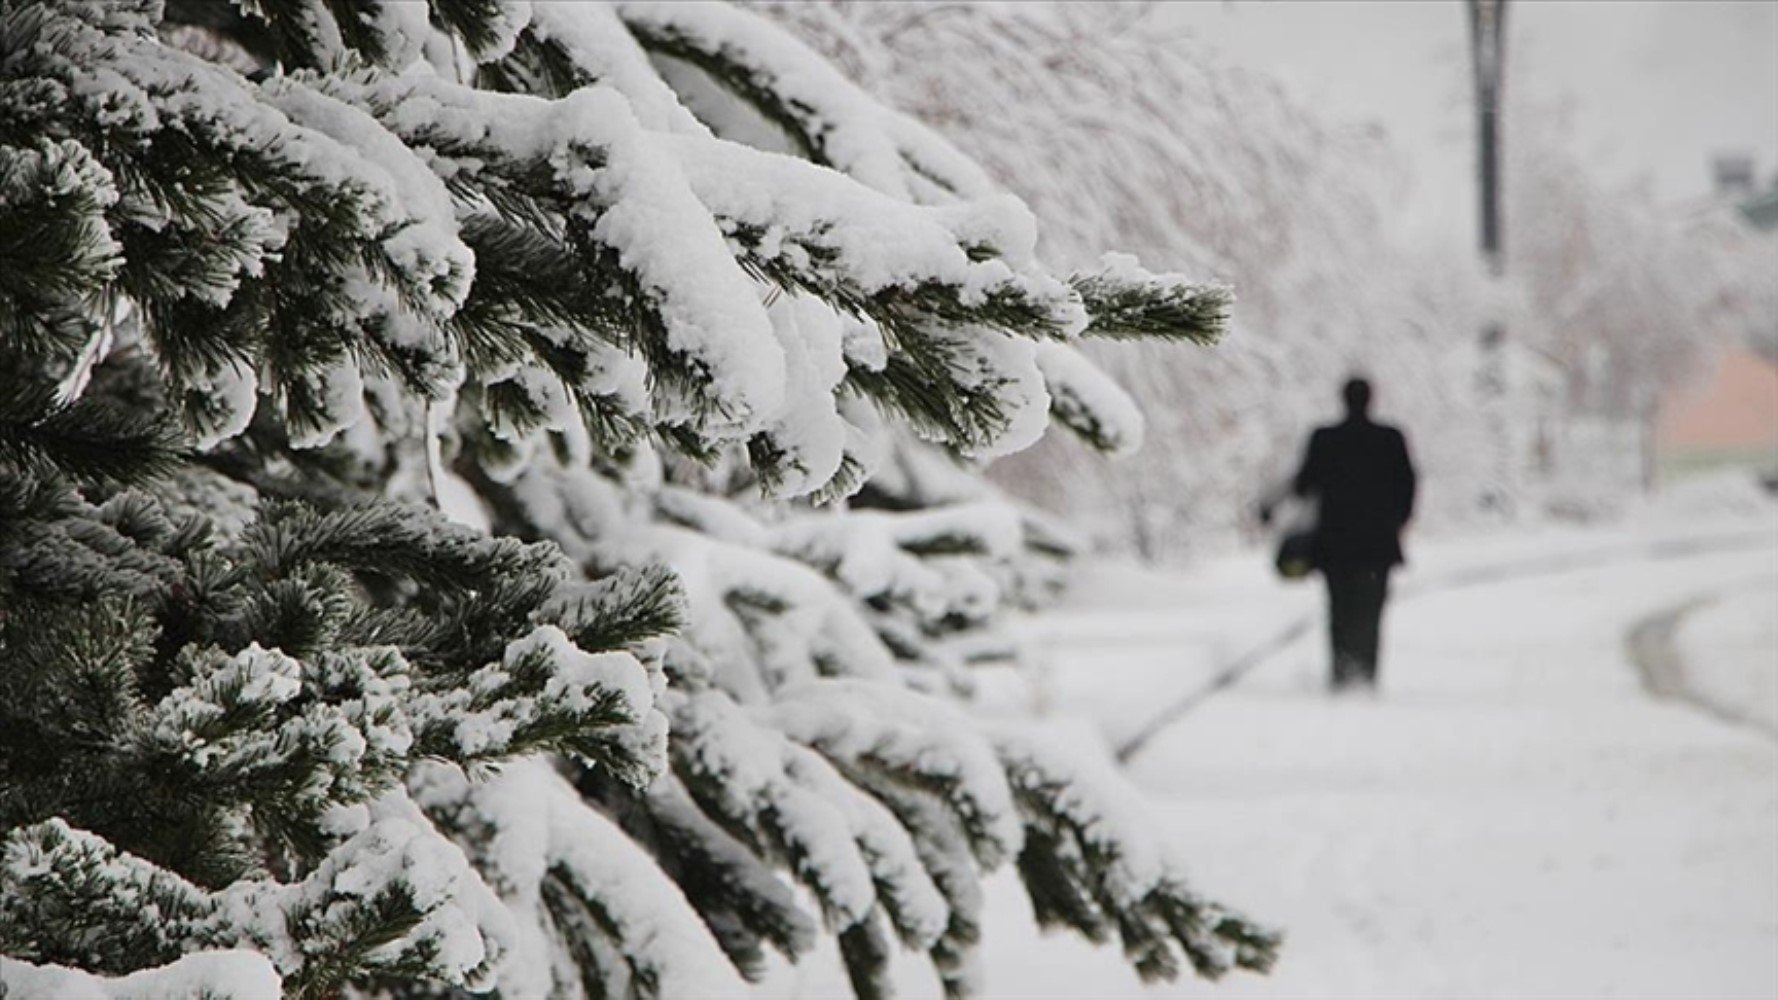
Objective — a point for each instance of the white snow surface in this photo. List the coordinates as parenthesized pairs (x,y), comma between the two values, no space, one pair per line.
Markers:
(1514,815)
(1727,648)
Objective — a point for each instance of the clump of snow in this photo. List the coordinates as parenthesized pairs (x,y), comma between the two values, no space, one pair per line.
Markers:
(404,28)
(873,554)
(1081,781)
(637,196)
(1084,396)
(221,975)
(230,394)
(799,624)
(501,703)
(338,398)
(917,736)
(1009,364)
(878,242)
(905,887)
(746,767)
(424,244)
(862,342)
(535,827)
(253,679)
(808,432)
(595,40)
(510,18)
(880,147)
(578,673)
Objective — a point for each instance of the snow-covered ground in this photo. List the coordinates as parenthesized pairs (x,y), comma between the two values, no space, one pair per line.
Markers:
(1729,646)
(1514,815)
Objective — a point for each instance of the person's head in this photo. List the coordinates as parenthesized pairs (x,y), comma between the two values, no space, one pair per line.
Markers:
(1357,394)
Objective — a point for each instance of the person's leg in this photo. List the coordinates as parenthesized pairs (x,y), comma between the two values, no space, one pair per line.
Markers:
(1339,628)
(1371,594)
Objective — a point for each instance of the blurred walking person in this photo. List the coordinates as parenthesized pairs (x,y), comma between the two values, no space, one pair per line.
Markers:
(1362,482)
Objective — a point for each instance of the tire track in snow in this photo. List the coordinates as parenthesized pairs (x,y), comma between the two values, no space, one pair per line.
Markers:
(1233,671)
(1652,646)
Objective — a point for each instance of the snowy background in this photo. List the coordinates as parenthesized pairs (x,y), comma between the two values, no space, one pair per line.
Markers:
(1320,157)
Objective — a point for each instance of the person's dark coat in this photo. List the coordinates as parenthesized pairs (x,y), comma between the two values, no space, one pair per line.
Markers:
(1363,481)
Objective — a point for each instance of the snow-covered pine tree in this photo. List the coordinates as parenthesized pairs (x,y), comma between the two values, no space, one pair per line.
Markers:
(425,560)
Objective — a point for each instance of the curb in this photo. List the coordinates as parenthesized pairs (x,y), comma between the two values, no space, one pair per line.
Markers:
(1650,645)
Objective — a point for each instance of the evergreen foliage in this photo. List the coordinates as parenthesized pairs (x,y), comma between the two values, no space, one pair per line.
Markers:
(426,560)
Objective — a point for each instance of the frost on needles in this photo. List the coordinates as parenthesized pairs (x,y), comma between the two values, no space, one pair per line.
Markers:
(478,511)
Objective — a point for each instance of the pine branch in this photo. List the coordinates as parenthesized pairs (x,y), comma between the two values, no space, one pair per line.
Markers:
(1127,303)
(1076,867)
(87,441)
(755,85)
(622,609)
(398,542)
(56,250)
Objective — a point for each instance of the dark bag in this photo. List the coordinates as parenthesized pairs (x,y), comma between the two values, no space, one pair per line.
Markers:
(1296,554)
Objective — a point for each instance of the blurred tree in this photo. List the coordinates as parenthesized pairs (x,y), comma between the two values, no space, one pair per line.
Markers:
(1625,298)
(1170,150)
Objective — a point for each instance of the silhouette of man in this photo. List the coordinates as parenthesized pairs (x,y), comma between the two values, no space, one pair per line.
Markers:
(1363,483)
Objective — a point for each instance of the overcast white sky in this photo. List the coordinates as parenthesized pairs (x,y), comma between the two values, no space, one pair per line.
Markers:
(1652,89)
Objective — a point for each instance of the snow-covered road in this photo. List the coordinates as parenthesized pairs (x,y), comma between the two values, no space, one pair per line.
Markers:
(1515,815)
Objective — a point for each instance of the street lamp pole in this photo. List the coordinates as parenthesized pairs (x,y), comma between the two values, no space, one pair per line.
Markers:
(1487,21)
(1487,39)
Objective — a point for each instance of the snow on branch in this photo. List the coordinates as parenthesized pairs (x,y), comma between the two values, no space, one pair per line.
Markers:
(832,122)
(1090,864)
(479,255)
(1126,301)
(808,227)
(228,974)
(557,863)
(601,178)
(68,896)
(913,738)
(1089,402)
(568,46)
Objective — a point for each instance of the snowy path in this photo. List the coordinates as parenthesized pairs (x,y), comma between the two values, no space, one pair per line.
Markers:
(1473,572)
(1515,816)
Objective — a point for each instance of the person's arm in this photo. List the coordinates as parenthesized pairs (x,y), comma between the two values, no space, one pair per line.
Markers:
(1408,482)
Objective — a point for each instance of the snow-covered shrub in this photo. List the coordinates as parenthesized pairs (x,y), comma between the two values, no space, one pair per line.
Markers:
(426,560)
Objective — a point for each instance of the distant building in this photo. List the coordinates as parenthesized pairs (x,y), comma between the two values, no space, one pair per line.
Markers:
(1730,416)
